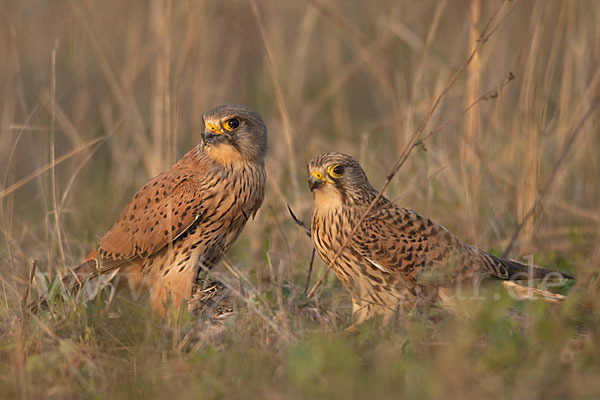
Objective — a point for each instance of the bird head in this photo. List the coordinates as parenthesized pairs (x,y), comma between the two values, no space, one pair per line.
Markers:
(337,177)
(234,133)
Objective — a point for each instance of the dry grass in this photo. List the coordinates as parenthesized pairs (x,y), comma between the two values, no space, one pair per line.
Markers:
(100,96)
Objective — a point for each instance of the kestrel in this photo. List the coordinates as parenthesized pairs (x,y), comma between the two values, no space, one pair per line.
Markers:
(396,259)
(182,221)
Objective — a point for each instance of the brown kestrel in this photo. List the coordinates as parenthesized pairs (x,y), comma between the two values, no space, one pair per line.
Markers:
(396,259)
(185,219)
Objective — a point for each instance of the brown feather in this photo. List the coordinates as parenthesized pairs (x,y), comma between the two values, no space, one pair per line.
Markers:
(160,211)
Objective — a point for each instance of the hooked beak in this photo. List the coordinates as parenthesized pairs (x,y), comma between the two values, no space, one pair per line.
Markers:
(315,181)
(211,133)
(210,137)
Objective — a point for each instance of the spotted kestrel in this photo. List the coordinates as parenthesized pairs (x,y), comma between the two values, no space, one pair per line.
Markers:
(396,259)
(185,219)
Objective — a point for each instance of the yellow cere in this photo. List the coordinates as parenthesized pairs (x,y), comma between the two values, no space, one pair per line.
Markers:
(317,175)
(213,128)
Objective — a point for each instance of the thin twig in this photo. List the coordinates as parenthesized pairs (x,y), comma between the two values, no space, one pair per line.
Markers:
(306,230)
(364,50)
(489,95)
(299,222)
(285,115)
(56,210)
(595,103)
(338,80)
(486,32)
(45,168)
(310,268)
(25,298)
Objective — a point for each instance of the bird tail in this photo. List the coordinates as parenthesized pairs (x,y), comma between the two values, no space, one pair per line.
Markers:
(513,271)
(531,293)
(518,271)
(87,272)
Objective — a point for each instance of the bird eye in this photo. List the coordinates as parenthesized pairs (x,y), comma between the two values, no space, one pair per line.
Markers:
(336,171)
(231,124)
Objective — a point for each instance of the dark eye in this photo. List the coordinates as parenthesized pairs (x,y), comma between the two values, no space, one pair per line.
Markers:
(231,124)
(336,171)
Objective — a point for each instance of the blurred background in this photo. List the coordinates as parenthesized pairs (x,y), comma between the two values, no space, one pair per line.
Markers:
(99,96)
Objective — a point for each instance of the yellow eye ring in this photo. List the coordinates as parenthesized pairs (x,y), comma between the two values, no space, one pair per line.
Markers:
(231,124)
(336,170)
